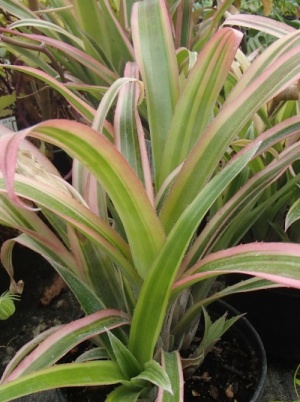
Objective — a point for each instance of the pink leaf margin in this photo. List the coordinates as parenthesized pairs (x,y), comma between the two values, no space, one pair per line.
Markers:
(68,329)
(271,250)
(10,144)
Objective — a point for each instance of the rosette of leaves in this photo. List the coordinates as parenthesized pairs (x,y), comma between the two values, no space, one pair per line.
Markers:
(140,237)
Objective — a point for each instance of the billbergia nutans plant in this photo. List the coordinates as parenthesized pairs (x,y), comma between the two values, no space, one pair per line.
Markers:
(170,172)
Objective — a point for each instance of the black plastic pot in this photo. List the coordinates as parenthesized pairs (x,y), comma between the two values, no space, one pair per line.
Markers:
(250,337)
(275,314)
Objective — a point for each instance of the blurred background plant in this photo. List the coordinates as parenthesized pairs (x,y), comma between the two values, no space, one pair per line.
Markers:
(7,305)
(287,11)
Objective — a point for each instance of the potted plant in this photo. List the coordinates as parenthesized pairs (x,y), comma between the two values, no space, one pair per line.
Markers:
(141,243)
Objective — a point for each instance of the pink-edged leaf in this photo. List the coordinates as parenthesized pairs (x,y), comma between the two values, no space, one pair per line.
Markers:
(32,149)
(147,319)
(43,244)
(184,24)
(192,313)
(208,151)
(117,178)
(63,375)
(26,349)
(9,147)
(100,24)
(129,133)
(171,363)
(264,60)
(263,24)
(65,338)
(159,70)
(107,102)
(208,238)
(83,179)
(79,216)
(275,262)
(47,27)
(89,301)
(197,102)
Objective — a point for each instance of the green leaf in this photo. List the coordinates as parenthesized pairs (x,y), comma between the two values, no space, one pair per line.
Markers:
(99,23)
(212,334)
(47,27)
(62,375)
(147,318)
(293,214)
(214,330)
(6,101)
(195,107)
(159,71)
(129,134)
(98,353)
(124,393)
(67,337)
(276,262)
(155,374)
(172,364)
(17,9)
(117,178)
(208,151)
(128,364)
(262,24)
(72,212)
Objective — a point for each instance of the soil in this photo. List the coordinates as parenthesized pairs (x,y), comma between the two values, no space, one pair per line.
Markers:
(228,374)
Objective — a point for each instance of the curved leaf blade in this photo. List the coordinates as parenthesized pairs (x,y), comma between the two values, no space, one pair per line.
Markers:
(65,338)
(262,24)
(209,149)
(63,375)
(275,262)
(143,228)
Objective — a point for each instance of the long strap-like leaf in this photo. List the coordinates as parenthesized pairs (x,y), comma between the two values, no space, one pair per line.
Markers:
(63,375)
(148,318)
(208,151)
(142,226)
(195,107)
(156,58)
